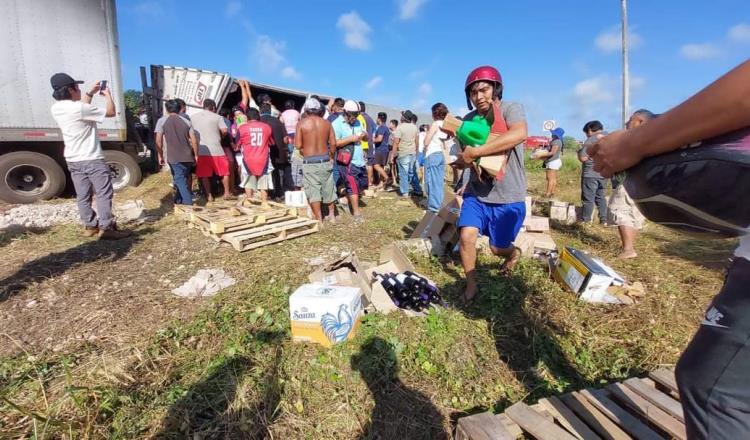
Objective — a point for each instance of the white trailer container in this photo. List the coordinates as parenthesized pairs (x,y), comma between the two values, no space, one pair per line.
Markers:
(40,38)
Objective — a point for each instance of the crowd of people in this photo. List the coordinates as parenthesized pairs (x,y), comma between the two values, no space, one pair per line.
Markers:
(332,152)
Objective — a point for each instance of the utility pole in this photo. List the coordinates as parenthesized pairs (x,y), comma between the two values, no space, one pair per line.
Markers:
(625,64)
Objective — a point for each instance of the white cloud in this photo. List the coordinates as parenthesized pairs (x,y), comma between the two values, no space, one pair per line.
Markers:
(268,53)
(637,82)
(595,90)
(269,57)
(425,89)
(150,8)
(700,51)
(291,73)
(408,8)
(355,29)
(233,8)
(740,33)
(611,40)
(374,82)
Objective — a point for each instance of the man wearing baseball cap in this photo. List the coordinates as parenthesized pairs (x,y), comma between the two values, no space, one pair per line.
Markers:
(77,120)
(350,158)
(493,204)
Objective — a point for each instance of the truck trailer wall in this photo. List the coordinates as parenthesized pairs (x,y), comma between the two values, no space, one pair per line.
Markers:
(78,37)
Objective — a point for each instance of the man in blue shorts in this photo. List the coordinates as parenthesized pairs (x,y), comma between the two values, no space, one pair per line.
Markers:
(493,204)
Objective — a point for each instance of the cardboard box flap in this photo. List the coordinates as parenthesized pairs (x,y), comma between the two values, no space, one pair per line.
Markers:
(397,256)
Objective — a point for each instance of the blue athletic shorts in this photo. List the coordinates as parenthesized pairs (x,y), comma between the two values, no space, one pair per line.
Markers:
(500,222)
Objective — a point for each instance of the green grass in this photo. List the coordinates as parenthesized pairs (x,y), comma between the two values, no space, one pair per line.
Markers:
(228,368)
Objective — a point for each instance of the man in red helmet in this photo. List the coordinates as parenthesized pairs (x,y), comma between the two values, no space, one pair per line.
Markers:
(493,204)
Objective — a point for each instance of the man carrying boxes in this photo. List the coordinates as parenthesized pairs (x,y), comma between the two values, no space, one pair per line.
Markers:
(493,202)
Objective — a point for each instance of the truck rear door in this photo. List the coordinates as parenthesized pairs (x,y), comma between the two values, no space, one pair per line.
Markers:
(191,85)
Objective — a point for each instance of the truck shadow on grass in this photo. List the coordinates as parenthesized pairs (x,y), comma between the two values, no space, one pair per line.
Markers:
(400,412)
(527,342)
(205,410)
(57,263)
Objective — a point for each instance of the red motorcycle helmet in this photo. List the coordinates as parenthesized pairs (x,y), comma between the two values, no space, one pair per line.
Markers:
(482,73)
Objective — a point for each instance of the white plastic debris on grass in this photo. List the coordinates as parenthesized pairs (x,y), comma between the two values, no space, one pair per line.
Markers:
(206,282)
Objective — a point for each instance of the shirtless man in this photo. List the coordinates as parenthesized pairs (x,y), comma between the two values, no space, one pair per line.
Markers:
(316,141)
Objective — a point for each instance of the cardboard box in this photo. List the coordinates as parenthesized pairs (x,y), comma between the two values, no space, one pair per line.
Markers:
(295,199)
(525,242)
(558,211)
(536,223)
(543,242)
(325,315)
(392,259)
(449,236)
(580,273)
(529,205)
(451,209)
(346,271)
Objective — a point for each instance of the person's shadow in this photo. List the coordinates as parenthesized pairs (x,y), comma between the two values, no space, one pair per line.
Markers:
(400,412)
(205,410)
(525,340)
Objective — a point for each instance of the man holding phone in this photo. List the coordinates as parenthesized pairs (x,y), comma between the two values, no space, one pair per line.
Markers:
(77,120)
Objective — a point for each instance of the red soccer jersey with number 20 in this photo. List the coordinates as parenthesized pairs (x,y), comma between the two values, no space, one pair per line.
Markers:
(255,138)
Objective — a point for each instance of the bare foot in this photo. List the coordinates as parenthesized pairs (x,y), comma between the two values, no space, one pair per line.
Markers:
(229,196)
(628,254)
(470,292)
(510,263)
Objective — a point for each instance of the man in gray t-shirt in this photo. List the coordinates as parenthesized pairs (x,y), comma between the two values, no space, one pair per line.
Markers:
(211,156)
(493,205)
(593,185)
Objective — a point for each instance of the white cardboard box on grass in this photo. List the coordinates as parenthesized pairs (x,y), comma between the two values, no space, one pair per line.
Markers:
(326,315)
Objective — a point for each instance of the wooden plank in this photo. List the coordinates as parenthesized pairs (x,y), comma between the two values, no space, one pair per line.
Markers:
(535,424)
(510,425)
(568,419)
(593,417)
(648,410)
(266,229)
(543,411)
(661,400)
(483,426)
(624,419)
(313,229)
(666,379)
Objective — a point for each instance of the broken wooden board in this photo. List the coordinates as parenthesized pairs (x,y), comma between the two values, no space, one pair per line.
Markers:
(647,410)
(536,424)
(265,235)
(623,419)
(483,426)
(223,222)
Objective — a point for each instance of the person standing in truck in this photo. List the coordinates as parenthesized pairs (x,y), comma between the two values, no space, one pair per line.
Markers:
(90,174)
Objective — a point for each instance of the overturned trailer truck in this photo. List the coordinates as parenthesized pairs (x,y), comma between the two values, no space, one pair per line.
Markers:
(194,86)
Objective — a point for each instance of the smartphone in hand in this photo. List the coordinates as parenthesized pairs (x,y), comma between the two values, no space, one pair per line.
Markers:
(102,86)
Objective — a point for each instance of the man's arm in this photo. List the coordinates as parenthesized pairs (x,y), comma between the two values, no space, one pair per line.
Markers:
(378,137)
(721,107)
(430,134)
(331,141)
(517,133)
(86,97)
(245,89)
(298,137)
(194,143)
(110,103)
(159,148)
(396,142)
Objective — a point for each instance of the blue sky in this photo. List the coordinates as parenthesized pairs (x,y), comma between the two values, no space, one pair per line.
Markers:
(560,59)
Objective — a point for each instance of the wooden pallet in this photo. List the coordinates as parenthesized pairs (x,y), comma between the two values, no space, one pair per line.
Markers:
(638,408)
(264,235)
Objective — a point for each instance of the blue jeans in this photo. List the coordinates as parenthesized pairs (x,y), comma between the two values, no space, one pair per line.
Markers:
(434,175)
(180,174)
(407,174)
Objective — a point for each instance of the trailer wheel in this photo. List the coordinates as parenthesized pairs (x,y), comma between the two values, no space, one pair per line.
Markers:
(125,170)
(27,177)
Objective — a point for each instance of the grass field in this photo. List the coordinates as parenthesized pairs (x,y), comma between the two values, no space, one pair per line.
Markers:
(94,345)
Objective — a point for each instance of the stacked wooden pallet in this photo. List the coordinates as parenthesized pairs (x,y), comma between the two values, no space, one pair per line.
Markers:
(645,408)
(248,224)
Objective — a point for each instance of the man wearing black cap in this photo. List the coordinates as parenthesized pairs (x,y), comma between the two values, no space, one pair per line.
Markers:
(77,120)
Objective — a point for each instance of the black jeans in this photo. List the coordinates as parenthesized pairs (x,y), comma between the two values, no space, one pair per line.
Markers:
(594,191)
(282,179)
(713,374)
